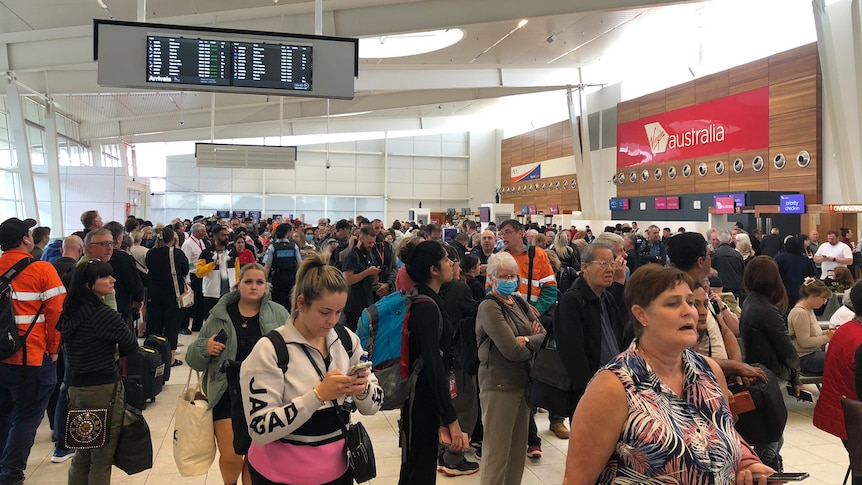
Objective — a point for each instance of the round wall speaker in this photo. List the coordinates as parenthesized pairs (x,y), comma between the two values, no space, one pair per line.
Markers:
(719,168)
(738,165)
(621,178)
(779,161)
(565,184)
(574,183)
(702,169)
(633,177)
(671,173)
(645,175)
(803,158)
(757,163)
(657,174)
(686,170)
(558,185)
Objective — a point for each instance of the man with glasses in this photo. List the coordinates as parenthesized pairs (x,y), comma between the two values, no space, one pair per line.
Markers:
(542,294)
(36,295)
(588,325)
(99,244)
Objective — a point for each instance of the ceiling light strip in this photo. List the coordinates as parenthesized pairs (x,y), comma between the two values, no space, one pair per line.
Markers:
(521,24)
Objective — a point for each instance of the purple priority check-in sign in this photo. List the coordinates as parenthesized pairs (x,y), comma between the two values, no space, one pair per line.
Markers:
(791,204)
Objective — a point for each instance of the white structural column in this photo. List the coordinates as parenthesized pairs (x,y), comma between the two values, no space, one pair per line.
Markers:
(52,160)
(18,129)
(583,160)
(840,49)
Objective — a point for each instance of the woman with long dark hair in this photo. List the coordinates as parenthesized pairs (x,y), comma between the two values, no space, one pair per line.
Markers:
(430,413)
(92,333)
(764,333)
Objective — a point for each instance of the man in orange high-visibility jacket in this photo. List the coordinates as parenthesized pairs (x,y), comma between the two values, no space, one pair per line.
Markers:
(26,386)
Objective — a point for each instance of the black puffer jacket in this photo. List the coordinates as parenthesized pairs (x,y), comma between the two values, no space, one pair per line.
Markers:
(764,334)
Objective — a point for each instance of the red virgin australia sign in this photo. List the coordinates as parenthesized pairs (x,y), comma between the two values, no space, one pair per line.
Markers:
(731,124)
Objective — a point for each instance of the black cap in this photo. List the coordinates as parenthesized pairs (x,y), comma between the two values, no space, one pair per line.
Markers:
(13,230)
(342,224)
(715,282)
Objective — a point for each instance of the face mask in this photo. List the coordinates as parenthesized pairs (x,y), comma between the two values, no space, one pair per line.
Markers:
(309,237)
(506,288)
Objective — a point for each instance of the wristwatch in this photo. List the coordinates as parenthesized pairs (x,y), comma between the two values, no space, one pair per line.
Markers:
(527,339)
(725,307)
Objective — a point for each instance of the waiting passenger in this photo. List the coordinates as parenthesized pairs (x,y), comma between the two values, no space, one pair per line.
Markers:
(807,336)
(294,423)
(657,375)
(508,335)
(244,315)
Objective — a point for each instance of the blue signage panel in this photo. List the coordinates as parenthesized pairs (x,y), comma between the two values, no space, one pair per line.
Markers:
(792,204)
(525,210)
(222,214)
(619,204)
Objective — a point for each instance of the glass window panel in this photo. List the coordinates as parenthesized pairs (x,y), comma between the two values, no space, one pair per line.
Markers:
(247,202)
(341,204)
(181,200)
(10,208)
(157,184)
(214,202)
(8,184)
(369,205)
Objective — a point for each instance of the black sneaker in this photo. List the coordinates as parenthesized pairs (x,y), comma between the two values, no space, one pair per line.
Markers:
(477,448)
(463,467)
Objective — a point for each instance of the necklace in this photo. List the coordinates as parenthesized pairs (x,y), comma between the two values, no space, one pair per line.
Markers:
(245,321)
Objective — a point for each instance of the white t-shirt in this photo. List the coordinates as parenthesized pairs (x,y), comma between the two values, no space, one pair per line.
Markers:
(828,251)
(714,339)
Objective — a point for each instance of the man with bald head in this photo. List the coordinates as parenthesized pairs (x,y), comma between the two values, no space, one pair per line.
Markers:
(487,243)
(73,249)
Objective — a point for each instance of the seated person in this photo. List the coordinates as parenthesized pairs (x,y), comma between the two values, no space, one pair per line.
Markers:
(717,286)
(843,314)
(805,332)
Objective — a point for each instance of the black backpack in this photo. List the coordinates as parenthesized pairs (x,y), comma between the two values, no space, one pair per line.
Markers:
(10,341)
(764,424)
(566,277)
(284,257)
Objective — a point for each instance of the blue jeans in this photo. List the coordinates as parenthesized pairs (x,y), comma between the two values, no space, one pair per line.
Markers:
(24,393)
(769,452)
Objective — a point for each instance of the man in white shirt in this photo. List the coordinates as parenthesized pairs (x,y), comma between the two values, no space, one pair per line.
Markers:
(832,255)
(192,247)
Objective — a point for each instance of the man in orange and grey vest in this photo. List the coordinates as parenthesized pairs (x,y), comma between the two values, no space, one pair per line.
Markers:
(37,297)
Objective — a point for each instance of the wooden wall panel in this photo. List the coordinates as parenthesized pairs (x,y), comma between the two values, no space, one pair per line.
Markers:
(711,87)
(795,127)
(680,96)
(651,186)
(800,62)
(748,179)
(794,95)
(680,184)
(711,182)
(793,177)
(628,111)
(652,104)
(748,76)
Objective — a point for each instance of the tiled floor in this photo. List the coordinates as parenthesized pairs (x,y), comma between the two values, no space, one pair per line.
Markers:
(805,449)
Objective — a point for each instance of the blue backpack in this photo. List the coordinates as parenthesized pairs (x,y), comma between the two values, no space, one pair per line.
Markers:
(383,333)
(53,251)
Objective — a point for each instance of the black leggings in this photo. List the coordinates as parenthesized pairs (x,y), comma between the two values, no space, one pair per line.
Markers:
(258,479)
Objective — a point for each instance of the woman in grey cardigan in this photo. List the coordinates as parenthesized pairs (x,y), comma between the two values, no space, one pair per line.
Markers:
(245,315)
(508,333)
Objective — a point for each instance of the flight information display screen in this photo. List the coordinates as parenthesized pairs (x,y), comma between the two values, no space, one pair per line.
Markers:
(279,66)
(178,60)
(210,62)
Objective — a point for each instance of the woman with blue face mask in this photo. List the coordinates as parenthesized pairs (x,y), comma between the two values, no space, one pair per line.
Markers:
(508,334)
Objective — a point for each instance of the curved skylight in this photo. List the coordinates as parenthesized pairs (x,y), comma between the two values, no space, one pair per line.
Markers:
(402,45)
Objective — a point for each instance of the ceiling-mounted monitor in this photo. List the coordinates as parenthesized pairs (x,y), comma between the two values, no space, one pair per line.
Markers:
(156,56)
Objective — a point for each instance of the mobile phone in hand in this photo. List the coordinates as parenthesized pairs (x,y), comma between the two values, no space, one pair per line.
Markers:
(221,337)
(358,368)
(803,394)
(787,477)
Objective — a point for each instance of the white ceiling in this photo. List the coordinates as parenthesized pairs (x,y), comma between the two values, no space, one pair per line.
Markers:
(47,47)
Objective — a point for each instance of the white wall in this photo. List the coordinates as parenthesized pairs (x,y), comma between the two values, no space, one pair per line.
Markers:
(86,188)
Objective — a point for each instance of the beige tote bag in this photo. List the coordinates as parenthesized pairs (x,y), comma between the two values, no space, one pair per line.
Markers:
(194,440)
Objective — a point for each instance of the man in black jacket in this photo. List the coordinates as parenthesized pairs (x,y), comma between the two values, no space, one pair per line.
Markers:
(128,289)
(728,262)
(588,326)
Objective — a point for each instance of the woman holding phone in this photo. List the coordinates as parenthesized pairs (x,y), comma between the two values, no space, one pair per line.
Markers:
(234,326)
(294,421)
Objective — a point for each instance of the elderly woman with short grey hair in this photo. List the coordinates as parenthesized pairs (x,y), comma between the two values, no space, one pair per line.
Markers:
(508,334)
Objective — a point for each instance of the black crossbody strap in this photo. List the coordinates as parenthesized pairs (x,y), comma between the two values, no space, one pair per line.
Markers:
(531,253)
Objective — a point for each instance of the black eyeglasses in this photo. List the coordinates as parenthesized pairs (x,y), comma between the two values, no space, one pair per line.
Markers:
(104,244)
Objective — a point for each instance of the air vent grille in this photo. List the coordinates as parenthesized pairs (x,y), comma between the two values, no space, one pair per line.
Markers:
(216,155)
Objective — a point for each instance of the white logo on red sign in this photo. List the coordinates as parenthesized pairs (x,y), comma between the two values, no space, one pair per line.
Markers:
(660,140)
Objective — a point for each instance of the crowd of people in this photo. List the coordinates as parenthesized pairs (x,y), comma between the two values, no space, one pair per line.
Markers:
(651,328)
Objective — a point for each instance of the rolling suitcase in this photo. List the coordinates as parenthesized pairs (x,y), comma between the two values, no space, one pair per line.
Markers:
(146,366)
(134,393)
(163,348)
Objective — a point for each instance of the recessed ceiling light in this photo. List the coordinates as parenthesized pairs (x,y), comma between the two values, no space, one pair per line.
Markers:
(403,45)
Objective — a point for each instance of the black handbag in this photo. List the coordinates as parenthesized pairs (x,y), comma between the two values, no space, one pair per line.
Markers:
(550,386)
(134,452)
(360,453)
(88,429)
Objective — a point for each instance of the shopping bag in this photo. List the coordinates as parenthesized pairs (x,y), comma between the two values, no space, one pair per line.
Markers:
(194,440)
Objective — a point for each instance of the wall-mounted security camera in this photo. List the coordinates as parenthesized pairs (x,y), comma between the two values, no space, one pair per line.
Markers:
(182,122)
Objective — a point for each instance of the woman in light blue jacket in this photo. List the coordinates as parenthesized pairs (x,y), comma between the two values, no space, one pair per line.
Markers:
(244,315)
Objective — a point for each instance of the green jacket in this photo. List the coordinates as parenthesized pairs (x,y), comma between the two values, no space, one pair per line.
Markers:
(214,383)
